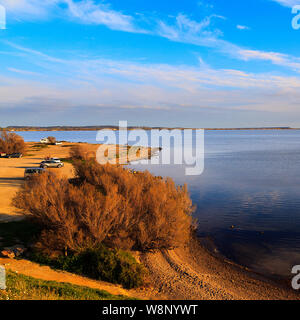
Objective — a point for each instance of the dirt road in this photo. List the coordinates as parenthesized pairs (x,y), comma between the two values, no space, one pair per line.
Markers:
(12,175)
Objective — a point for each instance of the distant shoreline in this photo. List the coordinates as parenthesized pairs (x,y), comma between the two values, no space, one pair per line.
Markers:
(96,128)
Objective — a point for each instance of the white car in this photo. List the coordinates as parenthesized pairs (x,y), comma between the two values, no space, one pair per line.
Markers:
(44,140)
(57,160)
(51,164)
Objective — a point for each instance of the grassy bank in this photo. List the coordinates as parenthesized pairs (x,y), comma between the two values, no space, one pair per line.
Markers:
(111,265)
(20,287)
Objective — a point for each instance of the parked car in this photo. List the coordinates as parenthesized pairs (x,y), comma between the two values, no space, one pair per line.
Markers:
(53,159)
(44,140)
(14,155)
(29,172)
(51,164)
(2,154)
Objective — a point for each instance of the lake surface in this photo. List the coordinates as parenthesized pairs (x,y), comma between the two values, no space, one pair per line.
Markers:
(247,198)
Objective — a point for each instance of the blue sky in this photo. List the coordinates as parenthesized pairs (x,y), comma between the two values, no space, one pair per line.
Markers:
(192,63)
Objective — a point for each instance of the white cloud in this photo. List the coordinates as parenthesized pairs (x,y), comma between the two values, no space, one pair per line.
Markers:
(189,31)
(205,4)
(186,30)
(274,57)
(288,3)
(123,84)
(89,12)
(168,75)
(241,27)
(83,11)
(24,72)
(181,29)
(29,9)
(261,55)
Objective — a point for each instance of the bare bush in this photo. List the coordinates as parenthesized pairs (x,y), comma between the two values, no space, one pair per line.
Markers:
(11,143)
(110,205)
(51,140)
(158,213)
(81,152)
(72,217)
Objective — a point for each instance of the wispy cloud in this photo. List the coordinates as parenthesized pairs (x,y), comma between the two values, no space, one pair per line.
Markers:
(90,13)
(241,27)
(178,29)
(29,9)
(274,57)
(205,4)
(103,83)
(287,3)
(83,11)
(32,52)
(24,72)
(185,77)
(202,33)
(187,30)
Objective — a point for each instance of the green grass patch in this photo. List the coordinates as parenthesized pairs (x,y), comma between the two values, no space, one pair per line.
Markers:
(20,287)
(112,265)
(67,160)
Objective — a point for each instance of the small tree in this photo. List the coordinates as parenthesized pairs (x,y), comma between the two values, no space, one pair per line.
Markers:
(11,143)
(52,140)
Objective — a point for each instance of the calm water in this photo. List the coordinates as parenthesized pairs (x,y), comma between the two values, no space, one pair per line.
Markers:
(251,181)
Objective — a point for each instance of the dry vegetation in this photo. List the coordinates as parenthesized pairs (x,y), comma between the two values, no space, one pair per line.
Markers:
(11,143)
(52,140)
(124,153)
(107,205)
(82,152)
(86,222)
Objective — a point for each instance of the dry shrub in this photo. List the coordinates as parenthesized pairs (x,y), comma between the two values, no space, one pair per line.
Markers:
(11,142)
(110,206)
(157,213)
(81,152)
(71,217)
(52,140)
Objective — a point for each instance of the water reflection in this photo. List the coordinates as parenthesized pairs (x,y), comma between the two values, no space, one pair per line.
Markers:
(248,198)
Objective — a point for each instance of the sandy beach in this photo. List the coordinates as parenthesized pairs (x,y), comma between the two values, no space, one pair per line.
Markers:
(194,273)
(12,174)
(12,170)
(185,273)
